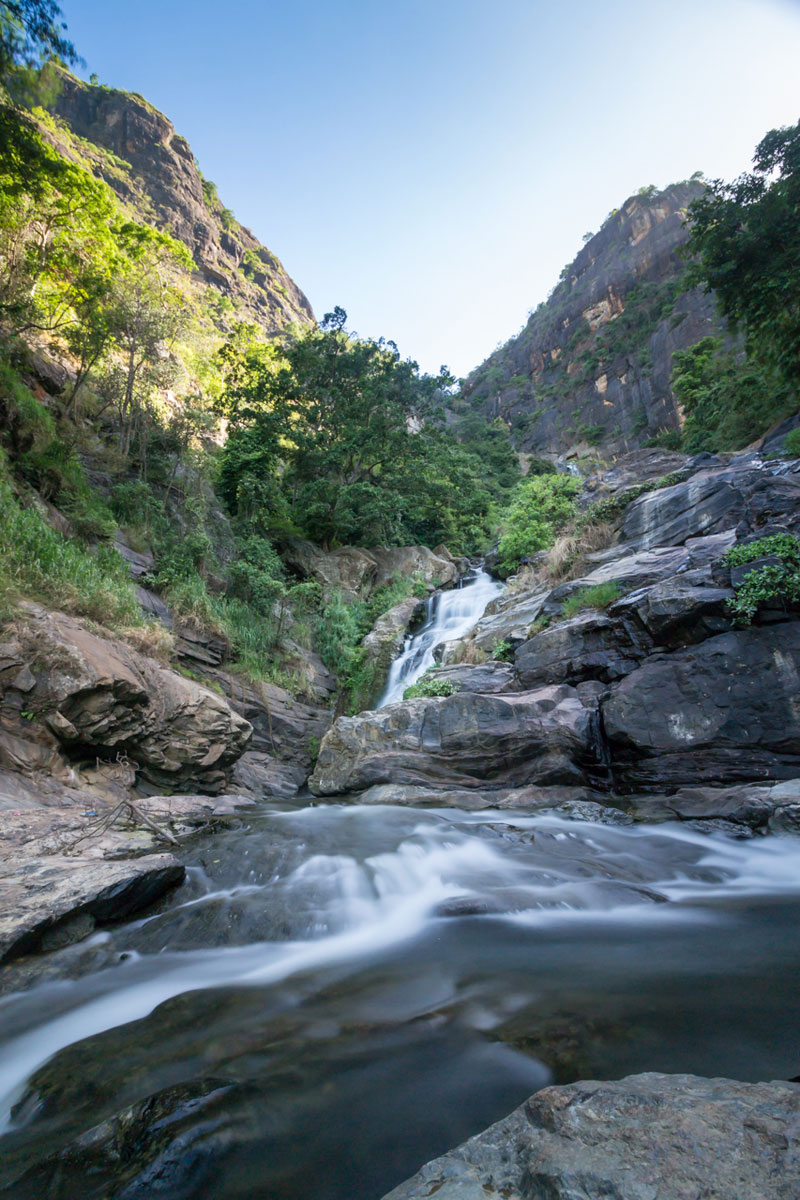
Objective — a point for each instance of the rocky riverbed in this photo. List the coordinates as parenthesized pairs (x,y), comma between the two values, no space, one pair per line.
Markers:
(583,864)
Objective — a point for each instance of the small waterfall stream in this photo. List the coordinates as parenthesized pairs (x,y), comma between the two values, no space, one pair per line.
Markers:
(448,617)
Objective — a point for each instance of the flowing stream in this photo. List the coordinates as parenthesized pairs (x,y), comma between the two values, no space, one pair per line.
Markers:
(448,617)
(340,992)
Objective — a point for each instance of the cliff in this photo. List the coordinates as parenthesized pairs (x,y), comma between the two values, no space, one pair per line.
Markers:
(125,141)
(592,365)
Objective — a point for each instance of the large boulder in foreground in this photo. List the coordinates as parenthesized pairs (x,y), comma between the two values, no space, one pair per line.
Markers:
(721,712)
(647,1137)
(463,741)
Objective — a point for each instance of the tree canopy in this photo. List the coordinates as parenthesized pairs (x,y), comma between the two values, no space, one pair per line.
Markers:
(340,439)
(746,236)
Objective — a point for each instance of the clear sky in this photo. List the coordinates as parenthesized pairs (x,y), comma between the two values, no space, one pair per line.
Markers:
(431,165)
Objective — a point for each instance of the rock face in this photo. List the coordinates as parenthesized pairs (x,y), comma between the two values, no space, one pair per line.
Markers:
(674,1136)
(592,366)
(94,696)
(721,711)
(462,741)
(136,150)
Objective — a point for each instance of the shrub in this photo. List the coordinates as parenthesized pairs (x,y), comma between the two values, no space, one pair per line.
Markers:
(598,596)
(503,651)
(429,686)
(541,506)
(776,583)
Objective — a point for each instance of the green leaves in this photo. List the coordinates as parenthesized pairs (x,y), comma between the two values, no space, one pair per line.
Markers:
(541,507)
(340,438)
(745,236)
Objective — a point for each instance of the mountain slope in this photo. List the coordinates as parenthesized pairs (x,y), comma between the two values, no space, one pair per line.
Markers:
(125,141)
(592,365)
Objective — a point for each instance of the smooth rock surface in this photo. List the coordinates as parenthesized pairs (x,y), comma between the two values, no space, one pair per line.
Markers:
(588,646)
(467,740)
(645,1137)
(721,712)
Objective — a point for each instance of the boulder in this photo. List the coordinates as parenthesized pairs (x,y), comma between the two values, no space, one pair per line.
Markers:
(357,572)
(53,901)
(466,740)
(680,610)
(725,711)
(488,678)
(588,646)
(97,695)
(563,800)
(679,1137)
(753,806)
(629,570)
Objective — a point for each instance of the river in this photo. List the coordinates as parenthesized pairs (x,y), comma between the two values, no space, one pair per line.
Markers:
(338,993)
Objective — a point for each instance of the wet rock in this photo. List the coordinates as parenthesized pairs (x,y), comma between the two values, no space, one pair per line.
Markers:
(531,798)
(589,810)
(721,712)
(673,1135)
(507,619)
(262,776)
(588,646)
(785,819)
(54,901)
(467,740)
(749,806)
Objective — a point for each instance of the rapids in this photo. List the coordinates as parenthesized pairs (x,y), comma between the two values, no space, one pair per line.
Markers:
(338,993)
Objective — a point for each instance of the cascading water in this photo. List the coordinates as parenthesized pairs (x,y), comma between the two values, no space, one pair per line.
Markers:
(339,993)
(448,617)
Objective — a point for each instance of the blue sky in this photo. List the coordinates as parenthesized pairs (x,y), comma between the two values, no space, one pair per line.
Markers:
(431,166)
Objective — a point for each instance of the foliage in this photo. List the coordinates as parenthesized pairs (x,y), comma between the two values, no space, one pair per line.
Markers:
(429,686)
(31,32)
(726,402)
(744,235)
(503,651)
(335,437)
(41,563)
(770,584)
(774,583)
(600,595)
(791,443)
(777,545)
(542,505)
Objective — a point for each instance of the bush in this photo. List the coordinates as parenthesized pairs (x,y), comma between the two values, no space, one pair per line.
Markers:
(791,443)
(541,506)
(777,583)
(429,686)
(503,652)
(599,596)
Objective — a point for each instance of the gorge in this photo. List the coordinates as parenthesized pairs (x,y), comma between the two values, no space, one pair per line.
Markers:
(399,779)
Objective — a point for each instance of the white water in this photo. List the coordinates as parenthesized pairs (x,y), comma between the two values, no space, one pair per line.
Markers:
(448,617)
(371,879)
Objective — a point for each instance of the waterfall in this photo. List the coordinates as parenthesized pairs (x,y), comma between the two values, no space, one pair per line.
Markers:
(448,617)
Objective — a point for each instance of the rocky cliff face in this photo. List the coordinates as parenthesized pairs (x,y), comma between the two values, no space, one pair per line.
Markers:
(592,366)
(135,149)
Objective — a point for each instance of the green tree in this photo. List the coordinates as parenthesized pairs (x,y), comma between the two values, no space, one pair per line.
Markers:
(542,505)
(727,401)
(31,31)
(745,237)
(339,437)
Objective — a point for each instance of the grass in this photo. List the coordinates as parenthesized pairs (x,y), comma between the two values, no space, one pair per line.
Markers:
(598,596)
(41,564)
